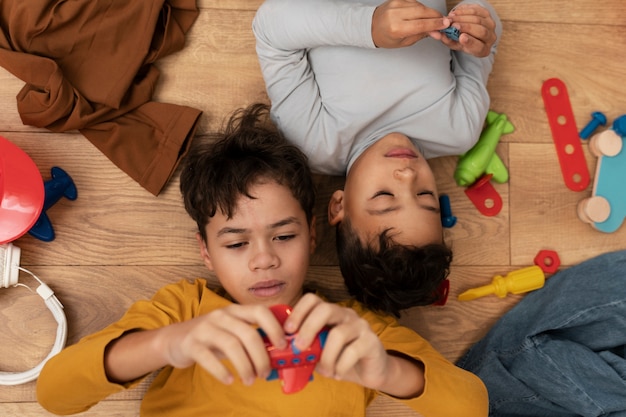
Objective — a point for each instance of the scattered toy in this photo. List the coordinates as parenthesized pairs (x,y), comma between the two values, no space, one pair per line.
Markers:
(484,196)
(60,185)
(21,192)
(516,282)
(452,33)
(597,119)
(606,208)
(482,158)
(548,261)
(447,219)
(565,135)
(442,293)
(480,164)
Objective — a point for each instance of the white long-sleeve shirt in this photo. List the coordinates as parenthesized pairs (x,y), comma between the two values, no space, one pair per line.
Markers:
(333,93)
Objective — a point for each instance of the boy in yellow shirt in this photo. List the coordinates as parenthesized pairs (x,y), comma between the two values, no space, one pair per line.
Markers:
(252,196)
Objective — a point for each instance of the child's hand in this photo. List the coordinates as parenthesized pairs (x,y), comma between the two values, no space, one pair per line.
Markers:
(226,333)
(352,351)
(477,30)
(399,23)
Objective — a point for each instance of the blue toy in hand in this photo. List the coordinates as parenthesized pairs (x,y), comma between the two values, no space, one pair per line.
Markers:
(452,33)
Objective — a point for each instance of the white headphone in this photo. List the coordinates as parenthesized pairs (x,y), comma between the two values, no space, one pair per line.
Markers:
(9,273)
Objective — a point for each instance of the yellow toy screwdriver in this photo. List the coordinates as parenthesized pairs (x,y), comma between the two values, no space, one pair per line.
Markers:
(515,282)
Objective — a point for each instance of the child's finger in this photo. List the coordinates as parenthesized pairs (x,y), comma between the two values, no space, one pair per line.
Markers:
(337,341)
(231,335)
(207,360)
(310,315)
(347,344)
(300,312)
(413,27)
(242,357)
(265,320)
(465,10)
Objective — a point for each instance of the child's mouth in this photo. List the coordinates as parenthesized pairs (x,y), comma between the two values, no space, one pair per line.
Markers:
(401,153)
(267,288)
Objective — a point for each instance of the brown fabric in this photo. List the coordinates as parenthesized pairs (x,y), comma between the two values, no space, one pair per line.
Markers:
(87,65)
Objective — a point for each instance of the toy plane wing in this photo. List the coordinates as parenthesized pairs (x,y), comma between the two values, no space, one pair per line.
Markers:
(295,379)
(42,229)
(497,168)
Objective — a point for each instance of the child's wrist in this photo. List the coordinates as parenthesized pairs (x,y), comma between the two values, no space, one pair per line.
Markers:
(404,376)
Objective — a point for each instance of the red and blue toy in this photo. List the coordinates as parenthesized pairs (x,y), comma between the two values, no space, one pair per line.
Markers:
(25,198)
(21,192)
(294,367)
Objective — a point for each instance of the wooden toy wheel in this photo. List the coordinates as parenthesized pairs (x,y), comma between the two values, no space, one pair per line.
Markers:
(607,143)
(595,209)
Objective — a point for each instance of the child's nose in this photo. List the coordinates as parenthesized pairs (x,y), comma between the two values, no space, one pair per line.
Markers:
(406,173)
(264,258)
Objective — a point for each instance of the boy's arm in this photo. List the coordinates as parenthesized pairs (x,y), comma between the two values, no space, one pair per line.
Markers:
(285,30)
(150,335)
(225,333)
(75,379)
(471,99)
(447,389)
(353,351)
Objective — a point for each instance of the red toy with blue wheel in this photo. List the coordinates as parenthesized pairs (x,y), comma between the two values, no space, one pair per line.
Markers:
(294,367)
(24,198)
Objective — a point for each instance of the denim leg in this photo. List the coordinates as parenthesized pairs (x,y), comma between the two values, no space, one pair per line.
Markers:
(561,351)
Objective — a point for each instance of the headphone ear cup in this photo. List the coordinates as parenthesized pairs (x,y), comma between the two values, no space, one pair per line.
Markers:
(9,272)
(9,265)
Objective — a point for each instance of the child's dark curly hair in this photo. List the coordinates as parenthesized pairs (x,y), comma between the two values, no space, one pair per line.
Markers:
(249,150)
(391,277)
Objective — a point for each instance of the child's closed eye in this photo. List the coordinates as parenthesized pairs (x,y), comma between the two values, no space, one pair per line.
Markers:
(381,193)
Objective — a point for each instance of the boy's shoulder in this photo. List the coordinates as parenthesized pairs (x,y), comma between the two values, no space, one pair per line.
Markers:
(373,317)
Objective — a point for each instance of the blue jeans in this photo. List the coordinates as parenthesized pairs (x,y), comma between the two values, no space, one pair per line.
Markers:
(561,351)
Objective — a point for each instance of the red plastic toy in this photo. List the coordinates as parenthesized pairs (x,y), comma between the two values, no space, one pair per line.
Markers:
(548,261)
(21,192)
(484,196)
(565,135)
(292,366)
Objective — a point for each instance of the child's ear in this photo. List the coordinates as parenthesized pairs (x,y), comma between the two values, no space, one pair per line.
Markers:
(335,208)
(313,235)
(204,252)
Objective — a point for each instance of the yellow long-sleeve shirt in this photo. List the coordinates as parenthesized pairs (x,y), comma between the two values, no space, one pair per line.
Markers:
(75,380)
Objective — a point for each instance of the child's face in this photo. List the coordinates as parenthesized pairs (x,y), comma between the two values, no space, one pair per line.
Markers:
(261,254)
(391,186)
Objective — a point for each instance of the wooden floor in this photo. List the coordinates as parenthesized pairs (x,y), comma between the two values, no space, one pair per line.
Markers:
(117,243)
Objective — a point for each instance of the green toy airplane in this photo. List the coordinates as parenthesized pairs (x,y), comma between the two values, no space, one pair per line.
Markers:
(482,158)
